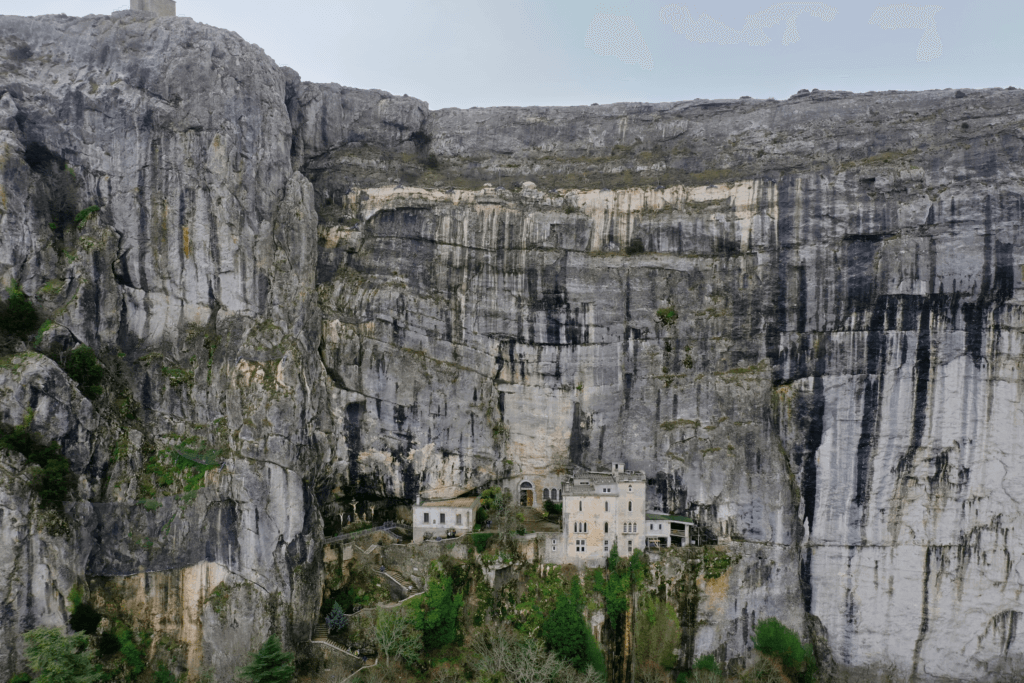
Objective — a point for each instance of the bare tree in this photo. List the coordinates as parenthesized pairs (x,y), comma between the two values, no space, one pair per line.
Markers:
(446,673)
(651,673)
(495,647)
(501,651)
(533,663)
(395,634)
(506,517)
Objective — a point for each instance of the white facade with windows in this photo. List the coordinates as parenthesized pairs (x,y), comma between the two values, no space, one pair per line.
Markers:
(443,518)
(667,530)
(601,510)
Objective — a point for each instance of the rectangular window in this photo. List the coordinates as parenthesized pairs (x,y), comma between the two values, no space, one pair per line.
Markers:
(629,547)
(606,506)
(458,519)
(659,527)
(581,546)
(625,528)
(442,518)
(581,506)
(426,517)
(606,545)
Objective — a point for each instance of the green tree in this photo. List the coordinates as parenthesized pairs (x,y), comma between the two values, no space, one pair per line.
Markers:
(270,664)
(336,619)
(658,632)
(81,366)
(624,575)
(57,658)
(18,315)
(774,639)
(440,613)
(134,656)
(564,630)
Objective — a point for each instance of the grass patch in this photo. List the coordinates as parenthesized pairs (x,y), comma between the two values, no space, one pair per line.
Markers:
(85,214)
(177,376)
(667,316)
(716,562)
(178,469)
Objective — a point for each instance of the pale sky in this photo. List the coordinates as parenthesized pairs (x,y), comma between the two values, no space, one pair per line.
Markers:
(463,53)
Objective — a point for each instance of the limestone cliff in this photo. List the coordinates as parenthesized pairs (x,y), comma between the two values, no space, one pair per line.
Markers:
(800,318)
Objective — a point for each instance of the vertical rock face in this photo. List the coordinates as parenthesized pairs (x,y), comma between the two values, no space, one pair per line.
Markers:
(799,319)
(195,284)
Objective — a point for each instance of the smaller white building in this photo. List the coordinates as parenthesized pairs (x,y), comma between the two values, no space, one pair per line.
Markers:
(443,518)
(663,531)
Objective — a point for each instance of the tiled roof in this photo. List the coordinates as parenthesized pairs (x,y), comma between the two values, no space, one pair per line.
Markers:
(657,516)
(450,503)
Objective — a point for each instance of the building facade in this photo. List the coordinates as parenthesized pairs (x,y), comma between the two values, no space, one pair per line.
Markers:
(667,530)
(600,510)
(443,518)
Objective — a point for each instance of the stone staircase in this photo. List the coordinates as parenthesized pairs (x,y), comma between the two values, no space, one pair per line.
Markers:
(407,586)
(322,635)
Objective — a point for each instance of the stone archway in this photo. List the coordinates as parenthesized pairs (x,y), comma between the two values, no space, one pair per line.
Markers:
(526,494)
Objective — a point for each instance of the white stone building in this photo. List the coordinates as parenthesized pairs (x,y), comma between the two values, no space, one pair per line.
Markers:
(443,518)
(599,510)
(667,530)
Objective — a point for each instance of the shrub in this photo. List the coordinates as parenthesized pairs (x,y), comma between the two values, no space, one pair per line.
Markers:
(134,656)
(82,367)
(479,541)
(85,214)
(707,663)
(164,675)
(85,618)
(635,246)
(772,638)
(53,482)
(21,678)
(18,315)
(552,508)
(667,316)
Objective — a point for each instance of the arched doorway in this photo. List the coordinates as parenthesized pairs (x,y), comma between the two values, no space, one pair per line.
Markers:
(526,494)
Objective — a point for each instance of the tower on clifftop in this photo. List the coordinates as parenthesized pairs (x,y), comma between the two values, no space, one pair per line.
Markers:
(162,8)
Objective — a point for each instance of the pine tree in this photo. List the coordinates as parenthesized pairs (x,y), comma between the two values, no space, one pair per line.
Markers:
(564,630)
(57,658)
(270,664)
(441,613)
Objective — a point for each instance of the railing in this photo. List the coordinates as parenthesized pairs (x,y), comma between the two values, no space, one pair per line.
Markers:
(386,526)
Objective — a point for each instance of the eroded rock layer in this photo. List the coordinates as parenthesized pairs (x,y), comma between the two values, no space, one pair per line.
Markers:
(799,318)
